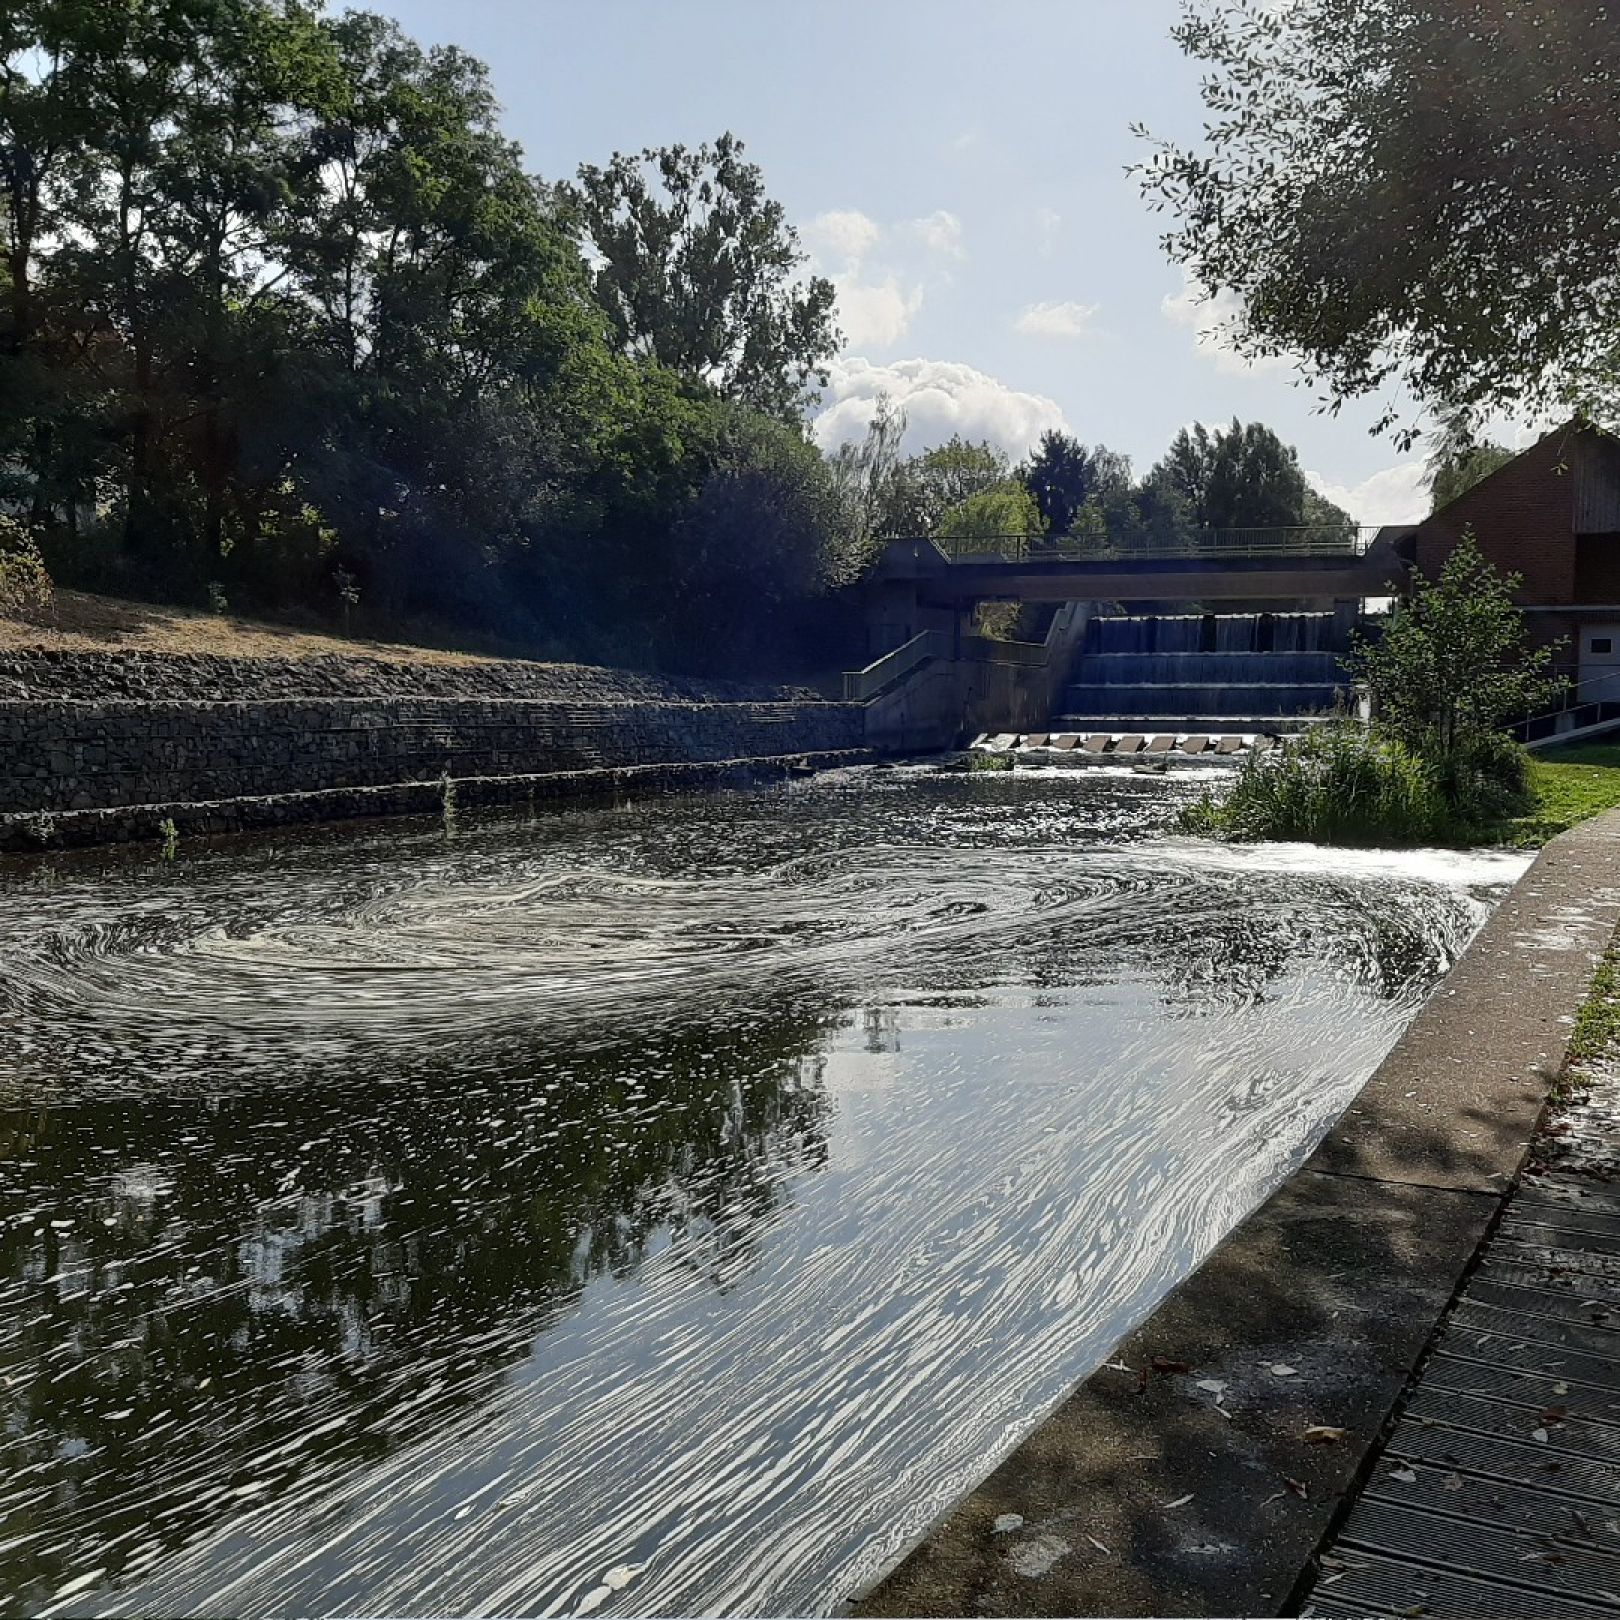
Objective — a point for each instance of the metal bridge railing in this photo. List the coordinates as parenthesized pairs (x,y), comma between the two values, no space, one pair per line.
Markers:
(1306,540)
(1588,701)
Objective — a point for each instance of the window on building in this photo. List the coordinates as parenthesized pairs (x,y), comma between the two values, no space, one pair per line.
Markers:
(1603,644)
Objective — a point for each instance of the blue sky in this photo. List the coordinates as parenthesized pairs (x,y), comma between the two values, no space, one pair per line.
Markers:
(959,169)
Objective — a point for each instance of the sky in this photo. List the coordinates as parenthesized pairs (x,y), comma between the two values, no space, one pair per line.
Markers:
(959,168)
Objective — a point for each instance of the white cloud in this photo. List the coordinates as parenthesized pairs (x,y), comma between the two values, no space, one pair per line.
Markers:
(1396,495)
(874,315)
(940,232)
(1211,318)
(844,235)
(939,397)
(1067,320)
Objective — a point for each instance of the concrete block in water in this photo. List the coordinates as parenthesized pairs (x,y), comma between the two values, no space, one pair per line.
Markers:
(1162,744)
(1194,745)
(1131,744)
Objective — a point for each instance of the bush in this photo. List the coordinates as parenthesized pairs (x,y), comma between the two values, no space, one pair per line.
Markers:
(1338,784)
(24,583)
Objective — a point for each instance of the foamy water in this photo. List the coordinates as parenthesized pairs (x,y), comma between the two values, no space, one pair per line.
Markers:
(660,1210)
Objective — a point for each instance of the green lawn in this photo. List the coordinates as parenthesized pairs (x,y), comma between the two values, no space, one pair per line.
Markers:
(1570,784)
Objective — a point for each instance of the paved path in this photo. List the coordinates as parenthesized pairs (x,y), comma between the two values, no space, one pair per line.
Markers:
(1498,1491)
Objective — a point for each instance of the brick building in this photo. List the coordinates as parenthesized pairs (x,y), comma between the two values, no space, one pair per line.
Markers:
(1551,515)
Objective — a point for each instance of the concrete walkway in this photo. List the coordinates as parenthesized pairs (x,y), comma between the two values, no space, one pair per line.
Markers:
(1200,1470)
(1498,1490)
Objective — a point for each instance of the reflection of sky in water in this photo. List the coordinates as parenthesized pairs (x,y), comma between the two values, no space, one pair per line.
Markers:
(663,1209)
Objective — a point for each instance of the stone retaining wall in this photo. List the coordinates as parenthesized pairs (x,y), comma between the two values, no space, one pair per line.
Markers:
(89,761)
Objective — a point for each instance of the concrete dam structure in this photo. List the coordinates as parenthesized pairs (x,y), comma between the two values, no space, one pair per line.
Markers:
(1270,671)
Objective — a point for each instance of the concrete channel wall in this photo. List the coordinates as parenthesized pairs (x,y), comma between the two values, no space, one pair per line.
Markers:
(93,771)
(1198,1472)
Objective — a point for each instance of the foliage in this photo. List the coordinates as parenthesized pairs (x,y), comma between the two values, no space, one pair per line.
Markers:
(1003,509)
(285,320)
(1064,478)
(24,583)
(752,543)
(1454,472)
(696,271)
(1337,784)
(872,485)
(1454,665)
(1450,671)
(1411,195)
(1239,477)
(980,762)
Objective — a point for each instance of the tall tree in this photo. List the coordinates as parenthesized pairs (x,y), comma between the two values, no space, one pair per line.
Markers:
(697,270)
(1063,476)
(1410,192)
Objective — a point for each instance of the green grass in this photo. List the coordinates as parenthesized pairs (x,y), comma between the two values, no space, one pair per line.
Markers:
(1597,1025)
(1570,785)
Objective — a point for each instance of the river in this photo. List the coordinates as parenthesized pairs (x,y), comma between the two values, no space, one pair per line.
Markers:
(661,1208)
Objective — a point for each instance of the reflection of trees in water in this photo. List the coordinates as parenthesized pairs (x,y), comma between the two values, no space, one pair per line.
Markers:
(202,1300)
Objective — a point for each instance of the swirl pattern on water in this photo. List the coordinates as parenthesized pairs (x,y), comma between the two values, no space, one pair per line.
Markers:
(663,1210)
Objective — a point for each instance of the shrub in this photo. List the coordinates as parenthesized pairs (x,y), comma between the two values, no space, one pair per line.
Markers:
(1338,784)
(24,582)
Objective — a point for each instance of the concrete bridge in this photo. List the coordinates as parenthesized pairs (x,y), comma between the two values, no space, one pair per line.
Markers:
(1225,659)
(1226,565)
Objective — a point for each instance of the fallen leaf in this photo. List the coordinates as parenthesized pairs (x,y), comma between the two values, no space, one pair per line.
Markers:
(1581,1523)
(1006,1523)
(1164,1366)
(1281,1369)
(1297,1486)
(1560,1389)
(1553,1414)
(1407,1476)
(1539,1436)
(1452,1482)
(1213,1385)
(1323,1434)
(1098,1545)
(1180,1501)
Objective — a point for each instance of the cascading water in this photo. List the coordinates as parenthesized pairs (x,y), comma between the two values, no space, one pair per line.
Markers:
(1188,669)
(666,1209)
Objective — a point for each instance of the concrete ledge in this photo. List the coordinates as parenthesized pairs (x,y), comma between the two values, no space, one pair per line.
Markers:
(1138,1497)
(134,823)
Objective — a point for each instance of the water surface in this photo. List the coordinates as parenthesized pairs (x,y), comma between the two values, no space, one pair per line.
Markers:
(667,1208)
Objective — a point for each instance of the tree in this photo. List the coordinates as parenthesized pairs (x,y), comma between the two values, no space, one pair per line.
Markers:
(869,479)
(1003,511)
(1241,477)
(1454,666)
(751,545)
(1410,192)
(1064,476)
(1457,462)
(697,269)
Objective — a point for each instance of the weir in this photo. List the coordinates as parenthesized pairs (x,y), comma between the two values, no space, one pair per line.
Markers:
(1272,670)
